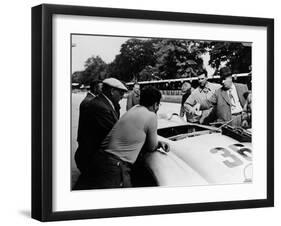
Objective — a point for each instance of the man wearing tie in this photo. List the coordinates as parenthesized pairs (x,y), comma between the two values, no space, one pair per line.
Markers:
(228,101)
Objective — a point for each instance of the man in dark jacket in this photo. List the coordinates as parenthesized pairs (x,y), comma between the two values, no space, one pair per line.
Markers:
(97,117)
(95,90)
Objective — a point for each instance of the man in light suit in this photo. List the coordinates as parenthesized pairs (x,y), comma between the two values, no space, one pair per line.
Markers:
(228,101)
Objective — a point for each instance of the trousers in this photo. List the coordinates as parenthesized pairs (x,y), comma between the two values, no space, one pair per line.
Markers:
(236,120)
(107,171)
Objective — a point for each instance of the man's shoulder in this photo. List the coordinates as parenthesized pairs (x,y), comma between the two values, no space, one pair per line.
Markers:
(196,91)
(151,119)
(218,91)
(140,111)
(214,85)
(99,102)
(86,101)
(241,86)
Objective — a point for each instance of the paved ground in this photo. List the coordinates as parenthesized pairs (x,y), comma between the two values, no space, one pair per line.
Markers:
(165,109)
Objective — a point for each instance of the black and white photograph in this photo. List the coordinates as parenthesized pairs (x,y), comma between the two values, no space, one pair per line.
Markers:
(149,112)
(139,112)
(118,112)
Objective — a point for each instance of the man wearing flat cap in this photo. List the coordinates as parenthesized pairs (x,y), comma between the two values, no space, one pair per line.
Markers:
(97,119)
(228,100)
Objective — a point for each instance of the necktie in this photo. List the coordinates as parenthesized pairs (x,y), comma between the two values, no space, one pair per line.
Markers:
(231,98)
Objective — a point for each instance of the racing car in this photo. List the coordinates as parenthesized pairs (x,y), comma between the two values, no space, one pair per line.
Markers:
(200,154)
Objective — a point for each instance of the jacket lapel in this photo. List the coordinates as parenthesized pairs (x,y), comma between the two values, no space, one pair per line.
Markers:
(225,96)
(109,105)
(240,93)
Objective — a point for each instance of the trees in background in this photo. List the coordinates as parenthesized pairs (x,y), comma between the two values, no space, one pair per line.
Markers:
(236,55)
(95,69)
(178,58)
(135,55)
(155,59)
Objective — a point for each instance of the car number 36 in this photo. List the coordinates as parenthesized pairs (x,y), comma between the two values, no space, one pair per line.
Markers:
(230,159)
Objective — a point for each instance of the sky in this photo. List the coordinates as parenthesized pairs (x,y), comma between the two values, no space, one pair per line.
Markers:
(85,46)
(107,47)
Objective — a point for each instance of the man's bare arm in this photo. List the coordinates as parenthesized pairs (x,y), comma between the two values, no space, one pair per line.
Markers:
(151,142)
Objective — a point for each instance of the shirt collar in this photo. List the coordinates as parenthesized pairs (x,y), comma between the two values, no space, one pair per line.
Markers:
(205,89)
(92,94)
(232,87)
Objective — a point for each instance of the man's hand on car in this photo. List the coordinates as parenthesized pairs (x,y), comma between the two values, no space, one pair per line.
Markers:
(163,147)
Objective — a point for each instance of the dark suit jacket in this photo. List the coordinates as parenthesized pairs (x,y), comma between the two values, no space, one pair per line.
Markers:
(97,117)
(222,104)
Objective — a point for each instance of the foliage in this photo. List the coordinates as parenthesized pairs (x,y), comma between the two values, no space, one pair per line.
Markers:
(135,55)
(178,58)
(236,55)
(148,73)
(155,59)
(95,68)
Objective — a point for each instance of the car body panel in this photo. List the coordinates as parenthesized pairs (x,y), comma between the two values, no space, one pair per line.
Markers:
(210,158)
(170,170)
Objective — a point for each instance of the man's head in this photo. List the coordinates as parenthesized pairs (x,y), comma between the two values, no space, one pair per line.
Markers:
(185,87)
(202,77)
(96,87)
(136,88)
(150,98)
(226,77)
(114,89)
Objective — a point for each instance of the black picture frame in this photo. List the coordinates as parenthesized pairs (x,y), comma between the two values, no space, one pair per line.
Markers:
(42,111)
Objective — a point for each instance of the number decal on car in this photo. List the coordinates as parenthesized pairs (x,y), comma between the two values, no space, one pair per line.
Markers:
(226,154)
(242,150)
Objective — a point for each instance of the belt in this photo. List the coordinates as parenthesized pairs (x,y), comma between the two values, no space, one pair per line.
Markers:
(115,158)
(235,114)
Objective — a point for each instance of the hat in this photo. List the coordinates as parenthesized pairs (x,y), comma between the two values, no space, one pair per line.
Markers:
(115,83)
(225,72)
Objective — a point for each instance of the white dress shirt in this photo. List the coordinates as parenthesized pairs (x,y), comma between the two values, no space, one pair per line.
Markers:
(235,103)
